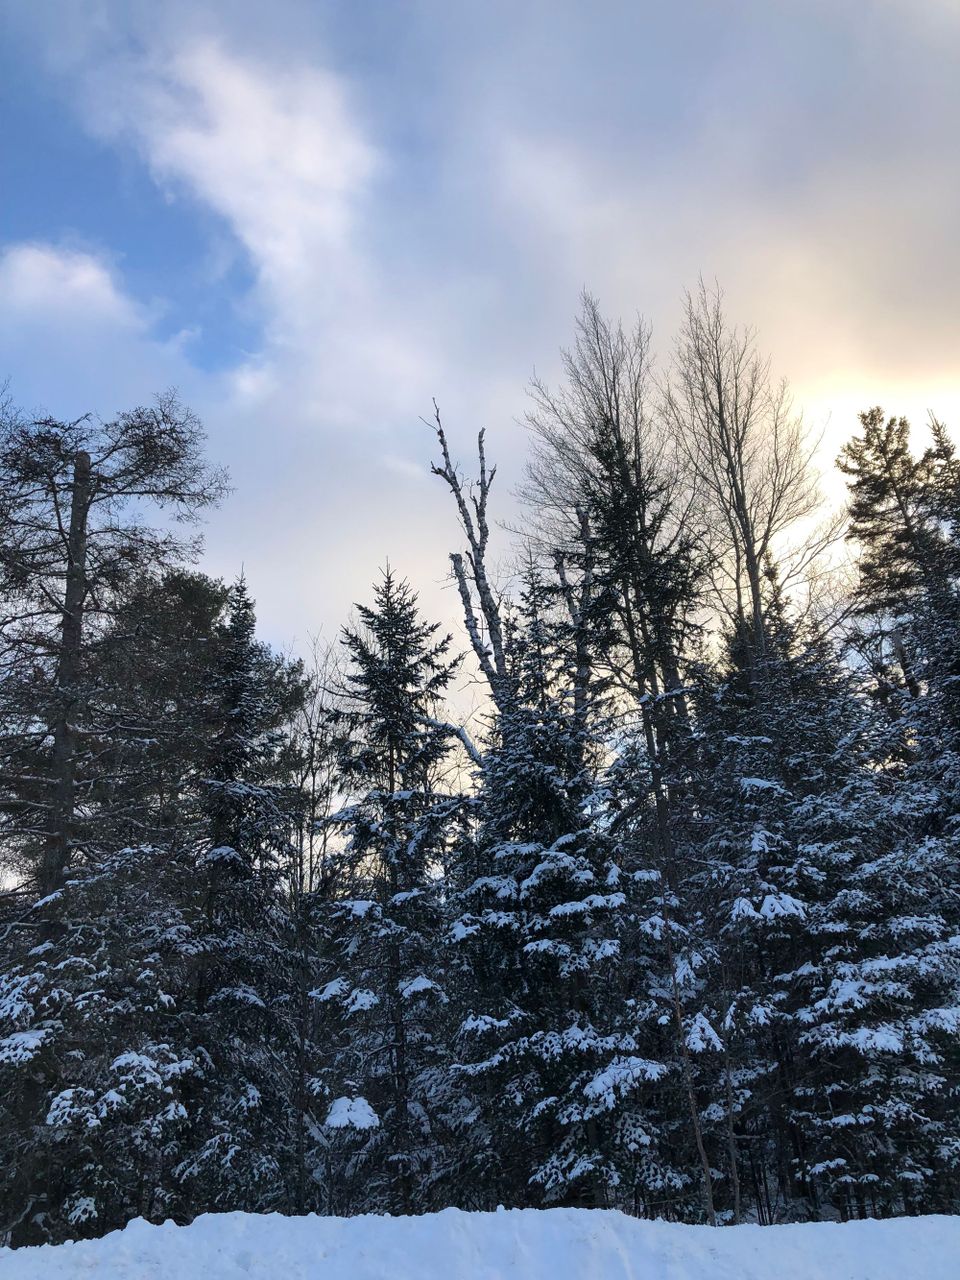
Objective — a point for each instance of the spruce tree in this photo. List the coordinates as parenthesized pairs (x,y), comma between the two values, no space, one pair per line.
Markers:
(385,988)
(548,1038)
(245,955)
(149,1036)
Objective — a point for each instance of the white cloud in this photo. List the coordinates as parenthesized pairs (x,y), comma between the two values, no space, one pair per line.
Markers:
(61,285)
(73,340)
(319,425)
(844,282)
(420,215)
(274,150)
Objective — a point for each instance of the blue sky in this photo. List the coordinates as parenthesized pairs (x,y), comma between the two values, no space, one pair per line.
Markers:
(312,217)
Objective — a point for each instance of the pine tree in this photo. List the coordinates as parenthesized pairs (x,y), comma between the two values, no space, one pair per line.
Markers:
(153,675)
(386,984)
(882,1000)
(72,498)
(99,1079)
(771,733)
(149,1030)
(548,1038)
(245,949)
(903,512)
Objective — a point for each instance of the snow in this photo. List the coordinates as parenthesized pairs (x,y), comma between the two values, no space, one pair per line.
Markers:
(743,909)
(593,902)
(417,986)
(478,1025)
(21,1046)
(351,1113)
(331,991)
(781,904)
(528,1244)
(361,999)
(760,784)
(358,906)
(701,1037)
(620,1077)
(223,855)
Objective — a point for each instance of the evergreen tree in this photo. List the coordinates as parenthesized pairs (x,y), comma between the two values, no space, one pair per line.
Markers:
(679,935)
(773,733)
(386,982)
(152,677)
(73,499)
(245,949)
(884,1002)
(100,1082)
(548,1039)
(148,1015)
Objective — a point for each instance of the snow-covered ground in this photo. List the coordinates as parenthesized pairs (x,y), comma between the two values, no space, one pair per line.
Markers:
(555,1244)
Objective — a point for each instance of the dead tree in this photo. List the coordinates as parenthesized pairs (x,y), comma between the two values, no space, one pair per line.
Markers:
(481,606)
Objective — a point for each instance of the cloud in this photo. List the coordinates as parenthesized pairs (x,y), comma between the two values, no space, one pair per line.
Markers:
(275,150)
(421,191)
(321,423)
(848,281)
(72,335)
(272,149)
(61,285)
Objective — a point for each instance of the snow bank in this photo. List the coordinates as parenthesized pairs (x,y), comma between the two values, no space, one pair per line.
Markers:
(555,1244)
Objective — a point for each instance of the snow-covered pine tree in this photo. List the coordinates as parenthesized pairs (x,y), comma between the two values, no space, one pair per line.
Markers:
(384,989)
(96,1069)
(147,1035)
(770,728)
(877,1012)
(548,1037)
(99,1079)
(245,952)
(607,479)
(833,924)
(875,1004)
(542,804)
(665,972)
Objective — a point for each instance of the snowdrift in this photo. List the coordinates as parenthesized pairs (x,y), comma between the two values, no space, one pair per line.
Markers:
(527,1244)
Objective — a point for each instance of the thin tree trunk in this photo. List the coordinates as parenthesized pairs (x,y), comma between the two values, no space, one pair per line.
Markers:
(732,1141)
(687,1070)
(57,852)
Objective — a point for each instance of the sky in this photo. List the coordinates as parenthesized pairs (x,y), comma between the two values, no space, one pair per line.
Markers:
(313,217)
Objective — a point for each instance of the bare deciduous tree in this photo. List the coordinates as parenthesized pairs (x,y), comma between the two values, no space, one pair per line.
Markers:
(749,454)
(601,453)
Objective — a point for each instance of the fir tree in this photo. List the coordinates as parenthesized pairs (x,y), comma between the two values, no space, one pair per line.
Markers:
(386,981)
(149,1029)
(245,951)
(549,1040)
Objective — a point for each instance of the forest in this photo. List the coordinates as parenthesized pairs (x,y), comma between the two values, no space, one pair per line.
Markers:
(669,923)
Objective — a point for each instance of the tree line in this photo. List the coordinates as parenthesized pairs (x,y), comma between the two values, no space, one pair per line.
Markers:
(672,925)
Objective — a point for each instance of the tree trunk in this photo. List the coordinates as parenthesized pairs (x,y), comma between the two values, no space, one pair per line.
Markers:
(63,768)
(732,1141)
